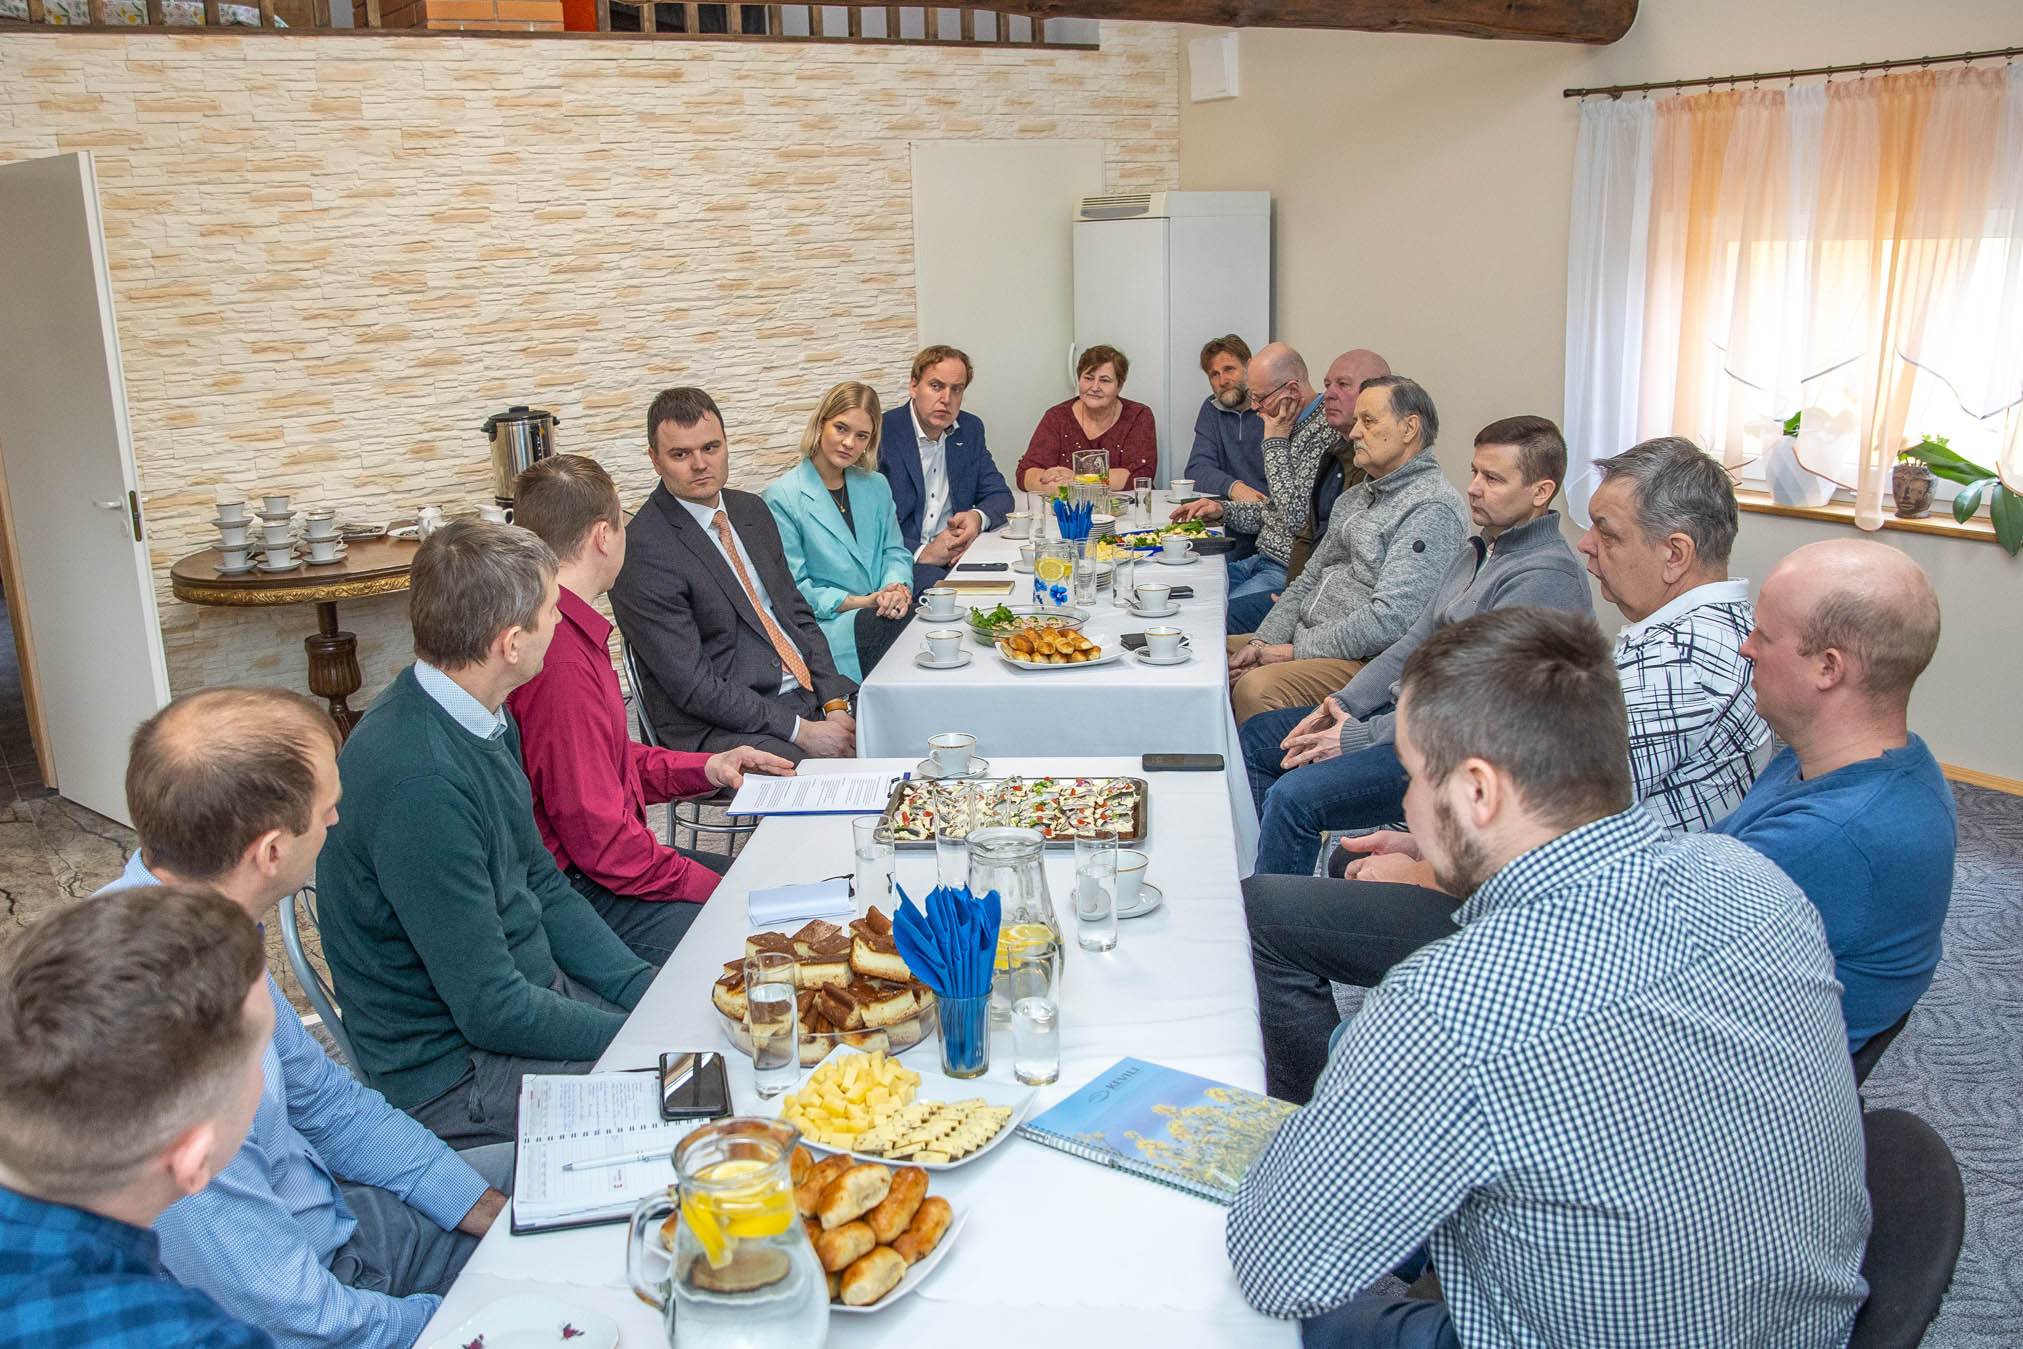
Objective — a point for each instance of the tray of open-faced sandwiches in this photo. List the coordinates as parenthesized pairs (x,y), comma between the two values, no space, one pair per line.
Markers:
(1060,808)
(854,989)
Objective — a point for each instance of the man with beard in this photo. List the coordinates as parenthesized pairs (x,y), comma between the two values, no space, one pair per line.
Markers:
(1620,1085)
(1228,455)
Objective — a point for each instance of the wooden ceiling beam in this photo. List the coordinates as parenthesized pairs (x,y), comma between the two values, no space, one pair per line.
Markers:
(1590,21)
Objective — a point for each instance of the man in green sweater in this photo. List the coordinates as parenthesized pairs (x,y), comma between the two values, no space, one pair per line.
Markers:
(462,957)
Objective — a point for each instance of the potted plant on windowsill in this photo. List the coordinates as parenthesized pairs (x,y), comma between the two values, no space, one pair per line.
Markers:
(1977,484)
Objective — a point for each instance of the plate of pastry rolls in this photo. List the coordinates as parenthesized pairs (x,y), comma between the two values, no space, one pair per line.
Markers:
(875,1228)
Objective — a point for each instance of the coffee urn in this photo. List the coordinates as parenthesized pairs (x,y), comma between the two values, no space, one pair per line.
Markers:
(519,436)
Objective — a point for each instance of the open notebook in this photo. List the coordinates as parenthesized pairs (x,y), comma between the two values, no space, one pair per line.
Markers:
(579,1119)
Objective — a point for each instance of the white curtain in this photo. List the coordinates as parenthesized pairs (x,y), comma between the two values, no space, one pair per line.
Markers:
(1605,287)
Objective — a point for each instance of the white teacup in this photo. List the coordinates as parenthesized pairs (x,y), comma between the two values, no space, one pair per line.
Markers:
(1163,643)
(1018,525)
(235,557)
(323,550)
(1155,597)
(1181,489)
(1027,551)
(275,535)
(233,535)
(1130,875)
(320,525)
(1178,547)
(274,503)
(493,513)
(950,752)
(940,603)
(232,510)
(944,647)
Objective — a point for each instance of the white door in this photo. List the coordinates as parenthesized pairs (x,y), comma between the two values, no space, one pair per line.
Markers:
(67,453)
(992,273)
(1120,301)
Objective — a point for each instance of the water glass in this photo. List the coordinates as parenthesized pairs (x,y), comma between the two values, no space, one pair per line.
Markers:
(1036,1041)
(954,817)
(1087,577)
(1141,492)
(871,882)
(771,1013)
(1125,582)
(1012,976)
(1096,890)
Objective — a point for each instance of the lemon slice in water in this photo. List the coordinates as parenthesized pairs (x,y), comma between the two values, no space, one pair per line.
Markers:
(720,1218)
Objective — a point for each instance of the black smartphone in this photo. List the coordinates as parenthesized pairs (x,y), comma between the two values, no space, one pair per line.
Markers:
(1133,641)
(1180,763)
(1181,593)
(693,1085)
(981,566)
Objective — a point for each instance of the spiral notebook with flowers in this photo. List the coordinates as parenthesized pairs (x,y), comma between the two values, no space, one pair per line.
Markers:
(1181,1130)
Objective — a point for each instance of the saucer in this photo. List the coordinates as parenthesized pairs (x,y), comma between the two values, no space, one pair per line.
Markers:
(1167,612)
(978,768)
(920,658)
(956,619)
(1179,658)
(1149,898)
(1021,566)
(1168,560)
(233,571)
(331,561)
(290,565)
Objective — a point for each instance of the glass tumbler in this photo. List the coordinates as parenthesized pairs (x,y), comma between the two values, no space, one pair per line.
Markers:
(1096,890)
(871,879)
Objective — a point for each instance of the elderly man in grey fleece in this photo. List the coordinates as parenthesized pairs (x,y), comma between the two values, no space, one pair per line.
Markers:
(1389,542)
(1333,766)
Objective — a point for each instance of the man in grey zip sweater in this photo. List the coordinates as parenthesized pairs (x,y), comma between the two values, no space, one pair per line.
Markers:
(1333,766)
(1389,542)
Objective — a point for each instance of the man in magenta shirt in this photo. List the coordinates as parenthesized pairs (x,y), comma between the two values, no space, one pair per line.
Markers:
(591,780)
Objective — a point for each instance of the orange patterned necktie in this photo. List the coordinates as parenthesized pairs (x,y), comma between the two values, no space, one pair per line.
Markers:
(788,656)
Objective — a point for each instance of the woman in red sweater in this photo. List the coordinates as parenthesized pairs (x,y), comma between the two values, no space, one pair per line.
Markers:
(1097,418)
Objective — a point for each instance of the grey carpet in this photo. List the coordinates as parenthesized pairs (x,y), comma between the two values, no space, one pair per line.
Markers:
(1959,1066)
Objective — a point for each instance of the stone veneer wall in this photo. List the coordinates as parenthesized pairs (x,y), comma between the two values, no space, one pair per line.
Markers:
(331,257)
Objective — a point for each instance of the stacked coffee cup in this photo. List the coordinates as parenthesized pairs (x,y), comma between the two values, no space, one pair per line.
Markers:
(233,529)
(277,538)
(324,539)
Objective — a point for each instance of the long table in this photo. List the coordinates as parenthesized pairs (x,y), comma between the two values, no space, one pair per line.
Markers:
(1056,1248)
(1125,707)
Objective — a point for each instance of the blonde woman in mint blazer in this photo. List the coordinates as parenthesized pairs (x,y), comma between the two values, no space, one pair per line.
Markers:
(842,533)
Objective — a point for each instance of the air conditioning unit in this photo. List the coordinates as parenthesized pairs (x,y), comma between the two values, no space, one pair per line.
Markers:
(1157,274)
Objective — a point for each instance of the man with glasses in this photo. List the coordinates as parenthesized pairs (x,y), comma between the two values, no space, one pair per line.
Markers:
(1298,439)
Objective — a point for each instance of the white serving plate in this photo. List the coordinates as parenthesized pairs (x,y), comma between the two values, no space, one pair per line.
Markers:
(526,1320)
(1112,653)
(934,1086)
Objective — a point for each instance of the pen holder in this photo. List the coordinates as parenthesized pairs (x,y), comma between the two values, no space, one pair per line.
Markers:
(965,1035)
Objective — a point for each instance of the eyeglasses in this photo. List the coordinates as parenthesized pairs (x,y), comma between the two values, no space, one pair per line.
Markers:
(1258,400)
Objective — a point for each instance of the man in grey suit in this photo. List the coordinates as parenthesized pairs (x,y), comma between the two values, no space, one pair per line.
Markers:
(728,651)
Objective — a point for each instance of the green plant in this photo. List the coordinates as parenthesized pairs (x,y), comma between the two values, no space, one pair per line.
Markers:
(2005,506)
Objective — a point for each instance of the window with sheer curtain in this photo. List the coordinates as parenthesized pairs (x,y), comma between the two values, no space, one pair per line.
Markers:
(1851,251)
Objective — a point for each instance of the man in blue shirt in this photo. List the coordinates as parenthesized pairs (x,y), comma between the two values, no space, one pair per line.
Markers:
(342,1220)
(1854,809)
(1228,454)
(131,1032)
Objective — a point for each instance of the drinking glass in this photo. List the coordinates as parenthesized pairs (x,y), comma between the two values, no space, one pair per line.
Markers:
(954,816)
(1141,491)
(1036,1041)
(1087,574)
(771,1013)
(871,882)
(965,1035)
(1096,890)
(1125,582)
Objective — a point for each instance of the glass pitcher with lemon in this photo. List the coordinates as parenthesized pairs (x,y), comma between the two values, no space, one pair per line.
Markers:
(723,1252)
(1092,477)
(1010,860)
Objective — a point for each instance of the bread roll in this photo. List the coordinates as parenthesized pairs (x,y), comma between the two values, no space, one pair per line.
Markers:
(921,1236)
(808,1194)
(901,1202)
(853,1194)
(872,1277)
(799,1163)
(843,1246)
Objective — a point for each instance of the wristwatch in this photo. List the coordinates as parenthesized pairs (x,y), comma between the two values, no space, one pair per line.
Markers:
(836,705)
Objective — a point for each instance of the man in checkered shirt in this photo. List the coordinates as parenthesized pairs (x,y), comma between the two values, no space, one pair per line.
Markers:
(1615,1107)
(1664,521)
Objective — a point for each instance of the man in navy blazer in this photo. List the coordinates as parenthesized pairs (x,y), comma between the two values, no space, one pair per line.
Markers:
(944,485)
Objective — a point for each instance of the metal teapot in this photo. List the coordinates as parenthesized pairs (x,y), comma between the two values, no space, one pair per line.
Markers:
(519,436)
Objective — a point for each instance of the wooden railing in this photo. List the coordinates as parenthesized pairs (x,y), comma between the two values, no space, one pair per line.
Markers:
(658,18)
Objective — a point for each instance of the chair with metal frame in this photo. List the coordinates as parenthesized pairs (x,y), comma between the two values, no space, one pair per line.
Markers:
(684,814)
(320,995)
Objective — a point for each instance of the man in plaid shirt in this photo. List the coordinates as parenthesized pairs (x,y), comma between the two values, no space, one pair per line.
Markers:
(132,1027)
(1615,1107)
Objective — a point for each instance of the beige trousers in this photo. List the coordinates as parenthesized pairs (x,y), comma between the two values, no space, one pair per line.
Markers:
(1289,683)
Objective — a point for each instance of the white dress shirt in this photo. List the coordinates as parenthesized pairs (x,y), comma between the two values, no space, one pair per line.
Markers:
(706,517)
(933,480)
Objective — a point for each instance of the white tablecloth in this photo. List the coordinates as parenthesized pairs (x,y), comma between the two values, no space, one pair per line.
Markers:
(1056,1249)
(1126,707)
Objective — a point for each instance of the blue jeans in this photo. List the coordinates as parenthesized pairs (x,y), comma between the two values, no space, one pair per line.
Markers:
(1374,1321)
(1364,790)
(1252,582)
